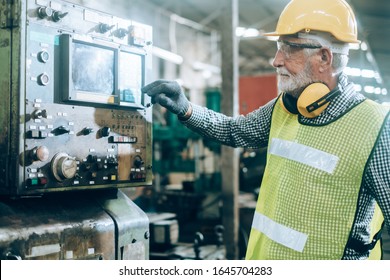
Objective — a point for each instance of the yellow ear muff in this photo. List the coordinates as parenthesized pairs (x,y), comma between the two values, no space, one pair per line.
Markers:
(313,100)
(283,105)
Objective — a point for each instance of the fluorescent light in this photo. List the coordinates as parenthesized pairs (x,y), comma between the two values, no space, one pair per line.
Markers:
(356,72)
(364,73)
(368,73)
(247,32)
(363,46)
(369,89)
(167,55)
(200,66)
(358,87)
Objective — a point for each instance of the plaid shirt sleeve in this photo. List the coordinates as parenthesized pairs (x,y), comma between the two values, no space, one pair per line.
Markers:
(377,175)
(249,131)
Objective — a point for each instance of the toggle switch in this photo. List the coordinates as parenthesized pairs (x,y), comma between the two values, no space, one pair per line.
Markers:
(57,16)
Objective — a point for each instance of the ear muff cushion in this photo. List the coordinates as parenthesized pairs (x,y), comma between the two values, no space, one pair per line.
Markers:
(289,103)
(311,94)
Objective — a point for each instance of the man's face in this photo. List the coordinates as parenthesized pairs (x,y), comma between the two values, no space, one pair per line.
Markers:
(293,65)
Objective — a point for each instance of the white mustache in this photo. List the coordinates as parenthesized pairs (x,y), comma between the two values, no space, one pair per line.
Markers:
(282,71)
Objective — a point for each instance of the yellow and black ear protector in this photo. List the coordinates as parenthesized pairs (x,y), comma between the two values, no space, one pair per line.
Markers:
(312,102)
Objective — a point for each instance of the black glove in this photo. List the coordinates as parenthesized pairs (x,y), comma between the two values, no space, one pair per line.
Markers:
(169,95)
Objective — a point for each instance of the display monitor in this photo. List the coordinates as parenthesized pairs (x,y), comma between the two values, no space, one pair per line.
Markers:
(101,73)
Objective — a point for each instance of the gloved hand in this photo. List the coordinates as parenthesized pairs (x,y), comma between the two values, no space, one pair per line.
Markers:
(169,95)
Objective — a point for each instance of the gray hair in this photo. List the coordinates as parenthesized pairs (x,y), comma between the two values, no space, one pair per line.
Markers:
(339,61)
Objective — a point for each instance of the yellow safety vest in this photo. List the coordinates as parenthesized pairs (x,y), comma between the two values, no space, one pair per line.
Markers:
(309,193)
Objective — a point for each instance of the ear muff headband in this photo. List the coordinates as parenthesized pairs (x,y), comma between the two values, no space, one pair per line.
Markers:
(313,100)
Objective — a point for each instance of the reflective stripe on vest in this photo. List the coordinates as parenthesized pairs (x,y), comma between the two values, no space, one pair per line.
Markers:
(303,154)
(311,184)
(279,233)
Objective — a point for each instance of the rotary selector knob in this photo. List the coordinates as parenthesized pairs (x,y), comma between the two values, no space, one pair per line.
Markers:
(138,162)
(40,153)
(63,166)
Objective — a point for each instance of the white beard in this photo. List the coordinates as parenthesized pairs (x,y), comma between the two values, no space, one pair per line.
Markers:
(294,83)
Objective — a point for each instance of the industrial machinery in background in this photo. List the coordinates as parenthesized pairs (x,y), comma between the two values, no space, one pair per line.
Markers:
(187,190)
(74,129)
(187,187)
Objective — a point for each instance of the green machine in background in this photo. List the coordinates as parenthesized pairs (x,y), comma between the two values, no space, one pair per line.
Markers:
(172,138)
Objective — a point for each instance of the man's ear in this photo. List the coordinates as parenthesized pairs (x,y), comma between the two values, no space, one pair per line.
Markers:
(326,59)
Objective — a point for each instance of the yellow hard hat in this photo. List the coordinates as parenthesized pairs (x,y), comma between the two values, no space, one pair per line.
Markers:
(333,16)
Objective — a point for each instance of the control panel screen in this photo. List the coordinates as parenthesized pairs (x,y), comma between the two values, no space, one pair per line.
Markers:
(98,72)
(130,81)
(93,69)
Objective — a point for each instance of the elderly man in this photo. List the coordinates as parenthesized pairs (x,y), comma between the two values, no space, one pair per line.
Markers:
(326,189)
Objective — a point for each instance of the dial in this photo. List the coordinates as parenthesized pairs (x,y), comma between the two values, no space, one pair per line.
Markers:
(40,153)
(63,166)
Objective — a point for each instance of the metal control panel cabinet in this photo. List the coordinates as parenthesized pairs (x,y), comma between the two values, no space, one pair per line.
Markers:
(96,226)
(72,114)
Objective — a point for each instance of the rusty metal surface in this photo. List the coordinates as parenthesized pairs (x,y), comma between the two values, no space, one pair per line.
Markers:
(56,228)
(104,225)
(132,227)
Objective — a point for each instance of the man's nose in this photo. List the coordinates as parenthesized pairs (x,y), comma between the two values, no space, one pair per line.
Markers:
(278,59)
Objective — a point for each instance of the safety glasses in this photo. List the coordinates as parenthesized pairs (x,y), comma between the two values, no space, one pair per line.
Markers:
(289,48)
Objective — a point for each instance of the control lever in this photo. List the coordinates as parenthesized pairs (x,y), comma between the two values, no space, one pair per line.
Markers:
(104,27)
(60,130)
(57,16)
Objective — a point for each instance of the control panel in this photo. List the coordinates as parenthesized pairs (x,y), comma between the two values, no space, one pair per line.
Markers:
(73,115)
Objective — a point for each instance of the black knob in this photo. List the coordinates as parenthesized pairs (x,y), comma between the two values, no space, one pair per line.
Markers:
(57,16)
(104,27)
(91,158)
(138,162)
(112,161)
(39,114)
(45,12)
(60,130)
(121,32)
(105,131)
(87,130)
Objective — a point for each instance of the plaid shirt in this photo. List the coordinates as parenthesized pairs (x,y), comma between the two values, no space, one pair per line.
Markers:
(252,131)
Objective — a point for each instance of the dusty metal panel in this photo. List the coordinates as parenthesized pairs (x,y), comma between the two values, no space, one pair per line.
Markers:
(131,226)
(57,228)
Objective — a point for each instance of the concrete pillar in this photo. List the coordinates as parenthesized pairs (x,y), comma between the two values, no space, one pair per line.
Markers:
(229,106)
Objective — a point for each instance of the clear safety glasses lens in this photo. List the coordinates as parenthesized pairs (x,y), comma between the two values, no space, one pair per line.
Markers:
(289,48)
